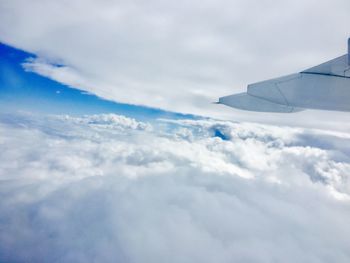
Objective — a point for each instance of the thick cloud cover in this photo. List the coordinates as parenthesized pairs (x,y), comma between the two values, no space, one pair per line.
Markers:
(106,188)
(178,56)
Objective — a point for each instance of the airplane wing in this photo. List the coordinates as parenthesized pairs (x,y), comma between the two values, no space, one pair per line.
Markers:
(324,87)
(335,67)
(246,101)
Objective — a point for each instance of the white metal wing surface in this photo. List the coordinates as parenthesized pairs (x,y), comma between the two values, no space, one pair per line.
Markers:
(323,87)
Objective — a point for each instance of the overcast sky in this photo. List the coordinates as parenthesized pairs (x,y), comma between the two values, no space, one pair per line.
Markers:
(178,56)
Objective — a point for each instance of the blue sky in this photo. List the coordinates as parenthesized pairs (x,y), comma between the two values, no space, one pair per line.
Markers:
(22,90)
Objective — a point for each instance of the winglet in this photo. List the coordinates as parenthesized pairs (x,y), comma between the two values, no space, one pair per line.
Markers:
(349,51)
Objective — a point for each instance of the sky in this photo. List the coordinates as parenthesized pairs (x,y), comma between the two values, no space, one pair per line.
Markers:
(112,151)
(23,90)
(179,56)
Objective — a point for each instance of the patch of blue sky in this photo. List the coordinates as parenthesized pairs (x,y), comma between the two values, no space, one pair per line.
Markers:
(27,91)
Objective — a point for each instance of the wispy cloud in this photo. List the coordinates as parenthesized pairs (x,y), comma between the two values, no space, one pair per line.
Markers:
(178,57)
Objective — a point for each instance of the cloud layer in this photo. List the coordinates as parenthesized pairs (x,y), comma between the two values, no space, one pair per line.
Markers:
(106,188)
(176,56)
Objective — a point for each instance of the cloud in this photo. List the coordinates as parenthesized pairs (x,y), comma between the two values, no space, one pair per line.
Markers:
(178,57)
(106,188)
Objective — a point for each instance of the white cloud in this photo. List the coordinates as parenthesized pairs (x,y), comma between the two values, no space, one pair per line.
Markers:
(178,56)
(107,188)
